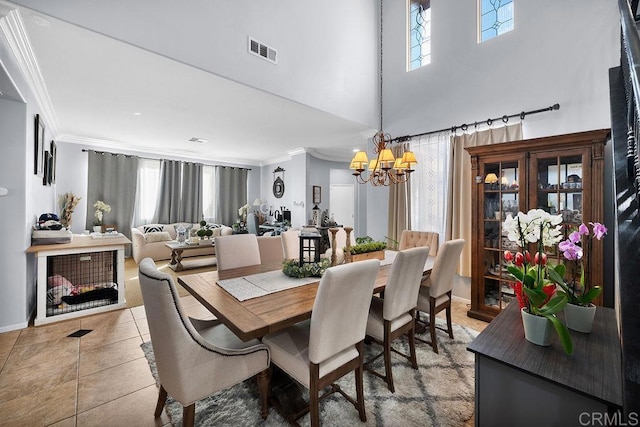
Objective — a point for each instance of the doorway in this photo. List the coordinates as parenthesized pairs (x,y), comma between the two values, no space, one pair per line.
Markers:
(342,203)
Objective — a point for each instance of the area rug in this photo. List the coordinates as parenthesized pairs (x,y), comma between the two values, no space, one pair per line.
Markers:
(439,393)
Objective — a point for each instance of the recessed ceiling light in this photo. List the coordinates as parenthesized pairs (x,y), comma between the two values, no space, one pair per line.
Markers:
(137,114)
(198,140)
(40,21)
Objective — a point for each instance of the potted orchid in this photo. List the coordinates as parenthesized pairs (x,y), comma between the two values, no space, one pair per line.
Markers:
(580,311)
(539,304)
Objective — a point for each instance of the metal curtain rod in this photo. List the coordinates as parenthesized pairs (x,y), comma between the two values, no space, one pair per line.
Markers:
(465,126)
(84,150)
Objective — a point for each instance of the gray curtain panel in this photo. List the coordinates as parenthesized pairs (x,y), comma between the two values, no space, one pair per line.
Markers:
(231,186)
(191,208)
(180,198)
(112,179)
(168,207)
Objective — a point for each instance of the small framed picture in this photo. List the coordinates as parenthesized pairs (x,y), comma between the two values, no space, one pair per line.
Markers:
(317,194)
(48,162)
(38,149)
(54,159)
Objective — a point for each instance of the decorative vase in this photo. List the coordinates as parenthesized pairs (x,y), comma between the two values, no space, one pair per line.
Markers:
(97,229)
(579,318)
(537,329)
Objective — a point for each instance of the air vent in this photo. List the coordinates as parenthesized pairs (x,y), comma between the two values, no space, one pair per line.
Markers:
(263,51)
(198,140)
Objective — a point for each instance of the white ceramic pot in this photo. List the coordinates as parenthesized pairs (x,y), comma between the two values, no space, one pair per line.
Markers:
(580,318)
(537,329)
(97,229)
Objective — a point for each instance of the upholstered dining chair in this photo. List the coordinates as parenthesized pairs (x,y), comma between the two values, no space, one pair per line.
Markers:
(270,248)
(394,316)
(195,358)
(435,292)
(319,351)
(412,239)
(291,243)
(237,250)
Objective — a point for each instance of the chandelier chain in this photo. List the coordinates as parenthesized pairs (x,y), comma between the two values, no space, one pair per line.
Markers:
(381,77)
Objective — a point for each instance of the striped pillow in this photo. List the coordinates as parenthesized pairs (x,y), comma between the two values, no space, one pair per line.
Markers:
(152,228)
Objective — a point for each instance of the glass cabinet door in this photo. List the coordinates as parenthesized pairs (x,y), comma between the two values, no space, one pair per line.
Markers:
(559,189)
(501,195)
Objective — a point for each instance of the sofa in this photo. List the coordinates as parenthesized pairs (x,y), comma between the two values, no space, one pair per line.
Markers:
(149,240)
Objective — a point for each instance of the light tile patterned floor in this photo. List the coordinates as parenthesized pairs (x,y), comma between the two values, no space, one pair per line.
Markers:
(103,378)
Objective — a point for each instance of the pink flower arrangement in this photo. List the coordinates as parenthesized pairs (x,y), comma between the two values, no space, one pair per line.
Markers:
(573,249)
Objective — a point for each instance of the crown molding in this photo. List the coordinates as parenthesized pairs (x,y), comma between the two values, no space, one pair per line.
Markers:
(101,144)
(14,33)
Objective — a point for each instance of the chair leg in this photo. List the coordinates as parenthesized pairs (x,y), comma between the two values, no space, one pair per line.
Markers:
(387,356)
(314,411)
(412,346)
(162,397)
(449,328)
(263,387)
(432,325)
(360,384)
(188,415)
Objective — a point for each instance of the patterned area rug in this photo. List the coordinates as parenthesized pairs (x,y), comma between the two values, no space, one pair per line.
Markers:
(439,393)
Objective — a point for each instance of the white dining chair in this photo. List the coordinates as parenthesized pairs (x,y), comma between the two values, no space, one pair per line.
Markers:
(195,358)
(412,239)
(291,243)
(237,250)
(319,351)
(270,248)
(435,292)
(394,316)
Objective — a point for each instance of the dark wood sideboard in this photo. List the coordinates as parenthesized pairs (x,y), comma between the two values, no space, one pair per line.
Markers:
(519,383)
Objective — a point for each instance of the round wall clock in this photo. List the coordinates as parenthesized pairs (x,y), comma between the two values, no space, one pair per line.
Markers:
(278,187)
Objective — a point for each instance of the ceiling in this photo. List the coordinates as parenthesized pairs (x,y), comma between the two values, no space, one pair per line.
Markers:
(106,93)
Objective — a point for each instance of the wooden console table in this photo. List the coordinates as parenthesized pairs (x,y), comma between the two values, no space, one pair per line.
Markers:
(84,247)
(519,383)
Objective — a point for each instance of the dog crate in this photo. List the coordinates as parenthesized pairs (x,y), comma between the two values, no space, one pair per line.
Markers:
(79,278)
(81,281)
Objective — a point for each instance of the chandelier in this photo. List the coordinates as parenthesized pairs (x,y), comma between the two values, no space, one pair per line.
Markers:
(385,169)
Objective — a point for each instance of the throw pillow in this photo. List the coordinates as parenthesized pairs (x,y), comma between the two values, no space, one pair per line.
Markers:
(152,228)
(57,280)
(157,236)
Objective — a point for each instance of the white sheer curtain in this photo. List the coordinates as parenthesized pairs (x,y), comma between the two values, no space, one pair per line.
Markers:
(147,190)
(209,193)
(429,183)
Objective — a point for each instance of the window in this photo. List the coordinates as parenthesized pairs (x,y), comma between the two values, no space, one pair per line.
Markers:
(209,193)
(148,188)
(429,183)
(495,17)
(419,33)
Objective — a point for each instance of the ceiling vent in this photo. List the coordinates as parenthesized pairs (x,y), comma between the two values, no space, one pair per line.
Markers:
(198,140)
(263,51)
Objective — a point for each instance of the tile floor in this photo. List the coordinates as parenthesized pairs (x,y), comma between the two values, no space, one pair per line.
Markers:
(102,378)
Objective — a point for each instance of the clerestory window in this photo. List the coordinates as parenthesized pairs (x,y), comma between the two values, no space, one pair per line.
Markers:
(495,17)
(419,26)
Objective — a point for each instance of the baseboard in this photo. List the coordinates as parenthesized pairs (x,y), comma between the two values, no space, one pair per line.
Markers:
(15,327)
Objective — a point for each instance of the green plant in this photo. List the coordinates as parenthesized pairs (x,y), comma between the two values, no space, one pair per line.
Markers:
(364,239)
(534,289)
(370,246)
(292,268)
(205,230)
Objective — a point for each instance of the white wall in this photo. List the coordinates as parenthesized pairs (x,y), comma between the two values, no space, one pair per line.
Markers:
(559,52)
(326,49)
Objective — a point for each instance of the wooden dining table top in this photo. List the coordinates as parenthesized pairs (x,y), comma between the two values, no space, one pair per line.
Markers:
(257,317)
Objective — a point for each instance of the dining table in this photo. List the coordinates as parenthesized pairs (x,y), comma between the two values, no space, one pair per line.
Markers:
(256,317)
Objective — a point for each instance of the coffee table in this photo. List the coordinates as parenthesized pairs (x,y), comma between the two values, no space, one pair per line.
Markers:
(178,263)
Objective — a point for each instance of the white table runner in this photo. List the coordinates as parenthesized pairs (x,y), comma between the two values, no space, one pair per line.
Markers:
(257,285)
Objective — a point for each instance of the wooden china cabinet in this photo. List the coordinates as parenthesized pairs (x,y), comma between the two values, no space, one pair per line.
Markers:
(561,174)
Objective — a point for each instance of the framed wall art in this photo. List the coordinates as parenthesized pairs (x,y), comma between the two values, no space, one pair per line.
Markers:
(38,152)
(46,175)
(317,193)
(54,159)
